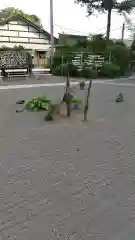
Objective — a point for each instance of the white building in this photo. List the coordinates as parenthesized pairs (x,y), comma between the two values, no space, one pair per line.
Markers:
(20,31)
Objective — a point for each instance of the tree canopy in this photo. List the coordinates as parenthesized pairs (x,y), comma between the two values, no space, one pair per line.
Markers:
(11,11)
(107,5)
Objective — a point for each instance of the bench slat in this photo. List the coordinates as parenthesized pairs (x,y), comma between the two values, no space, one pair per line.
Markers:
(15,70)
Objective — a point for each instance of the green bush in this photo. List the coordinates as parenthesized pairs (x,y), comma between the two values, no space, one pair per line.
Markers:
(89,73)
(109,70)
(73,71)
(38,104)
(86,72)
(76,100)
(56,71)
(62,69)
(119,55)
(57,60)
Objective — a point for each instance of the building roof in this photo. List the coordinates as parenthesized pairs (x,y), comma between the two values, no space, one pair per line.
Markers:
(72,35)
(30,23)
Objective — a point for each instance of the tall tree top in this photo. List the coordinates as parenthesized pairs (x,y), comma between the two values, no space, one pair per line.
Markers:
(101,5)
(11,11)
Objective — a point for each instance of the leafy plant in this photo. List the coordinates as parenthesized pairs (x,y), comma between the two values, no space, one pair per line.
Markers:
(89,72)
(120,56)
(56,71)
(109,70)
(76,103)
(11,11)
(76,100)
(38,104)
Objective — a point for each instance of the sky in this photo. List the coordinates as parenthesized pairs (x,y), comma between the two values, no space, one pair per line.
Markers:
(69,17)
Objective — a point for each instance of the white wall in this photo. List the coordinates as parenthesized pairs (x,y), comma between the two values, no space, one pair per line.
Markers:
(41,47)
(43,41)
(21,40)
(3,26)
(18,27)
(8,33)
(29,34)
(17,34)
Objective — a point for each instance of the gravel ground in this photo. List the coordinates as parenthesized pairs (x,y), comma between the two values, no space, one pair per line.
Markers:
(71,181)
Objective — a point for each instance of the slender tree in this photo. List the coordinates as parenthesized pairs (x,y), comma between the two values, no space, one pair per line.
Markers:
(107,5)
(86,107)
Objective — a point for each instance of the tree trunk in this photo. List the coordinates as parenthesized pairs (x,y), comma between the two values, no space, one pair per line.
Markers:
(108,23)
(68,103)
(86,108)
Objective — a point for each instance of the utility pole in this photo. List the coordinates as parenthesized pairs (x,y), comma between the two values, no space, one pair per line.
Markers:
(122,32)
(51,30)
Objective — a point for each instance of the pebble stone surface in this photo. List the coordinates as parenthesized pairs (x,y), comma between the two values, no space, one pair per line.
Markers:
(68,181)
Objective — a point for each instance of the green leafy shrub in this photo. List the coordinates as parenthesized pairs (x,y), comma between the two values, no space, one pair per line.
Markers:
(73,72)
(62,70)
(76,103)
(76,100)
(119,55)
(89,73)
(109,70)
(57,60)
(38,104)
(56,71)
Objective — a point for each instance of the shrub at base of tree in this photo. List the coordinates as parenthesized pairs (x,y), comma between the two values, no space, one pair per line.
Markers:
(89,73)
(109,70)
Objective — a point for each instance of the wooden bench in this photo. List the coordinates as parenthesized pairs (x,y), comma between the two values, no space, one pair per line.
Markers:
(38,72)
(16,73)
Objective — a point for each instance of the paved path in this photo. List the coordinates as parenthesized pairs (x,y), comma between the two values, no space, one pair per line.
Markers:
(48,83)
(68,181)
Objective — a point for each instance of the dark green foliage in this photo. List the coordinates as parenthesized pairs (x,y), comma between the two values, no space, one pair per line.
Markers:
(86,72)
(120,55)
(89,73)
(62,69)
(117,53)
(109,70)
(57,71)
